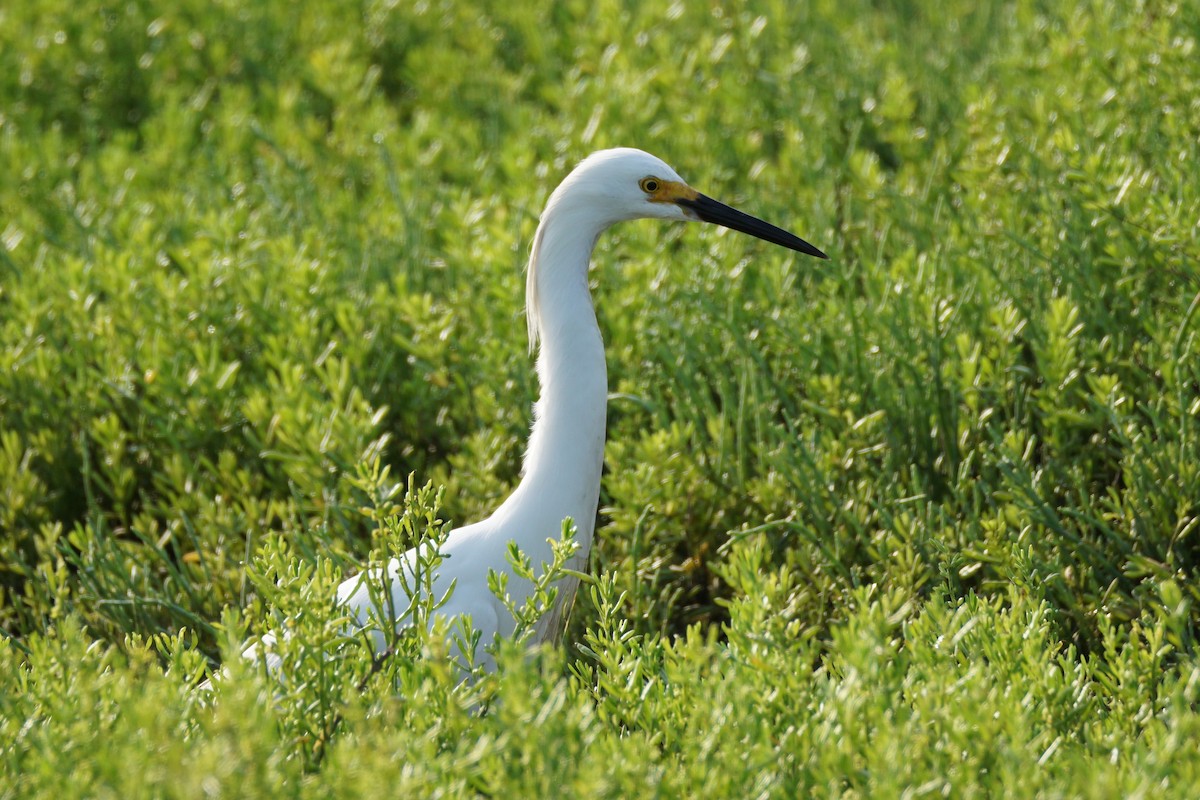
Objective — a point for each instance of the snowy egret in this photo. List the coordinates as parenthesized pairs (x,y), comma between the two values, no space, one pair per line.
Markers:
(561,475)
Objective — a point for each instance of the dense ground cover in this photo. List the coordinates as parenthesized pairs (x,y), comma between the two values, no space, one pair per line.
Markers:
(919,521)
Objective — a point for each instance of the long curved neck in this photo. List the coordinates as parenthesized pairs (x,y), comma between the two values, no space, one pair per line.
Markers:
(561,476)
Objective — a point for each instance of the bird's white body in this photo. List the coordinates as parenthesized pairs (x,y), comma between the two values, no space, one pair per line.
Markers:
(561,474)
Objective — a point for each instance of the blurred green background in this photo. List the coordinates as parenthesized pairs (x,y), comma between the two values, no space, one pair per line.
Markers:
(247,248)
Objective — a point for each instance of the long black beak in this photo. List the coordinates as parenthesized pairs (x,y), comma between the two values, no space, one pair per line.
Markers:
(718,213)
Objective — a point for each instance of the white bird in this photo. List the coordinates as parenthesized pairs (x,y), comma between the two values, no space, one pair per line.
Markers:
(561,475)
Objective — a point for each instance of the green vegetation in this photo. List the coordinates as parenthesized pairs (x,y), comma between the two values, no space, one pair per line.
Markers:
(920,521)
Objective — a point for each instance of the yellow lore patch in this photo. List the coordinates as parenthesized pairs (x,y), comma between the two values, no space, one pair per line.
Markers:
(662,191)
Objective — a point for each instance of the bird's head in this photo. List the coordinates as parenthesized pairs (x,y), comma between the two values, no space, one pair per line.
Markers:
(614,185)
(625,183)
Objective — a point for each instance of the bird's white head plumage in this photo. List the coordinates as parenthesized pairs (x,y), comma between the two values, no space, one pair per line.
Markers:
(619,184)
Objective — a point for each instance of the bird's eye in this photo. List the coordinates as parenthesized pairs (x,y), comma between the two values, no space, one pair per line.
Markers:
(649,185)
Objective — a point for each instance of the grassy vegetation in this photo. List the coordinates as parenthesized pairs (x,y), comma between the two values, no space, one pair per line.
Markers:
(921,521)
